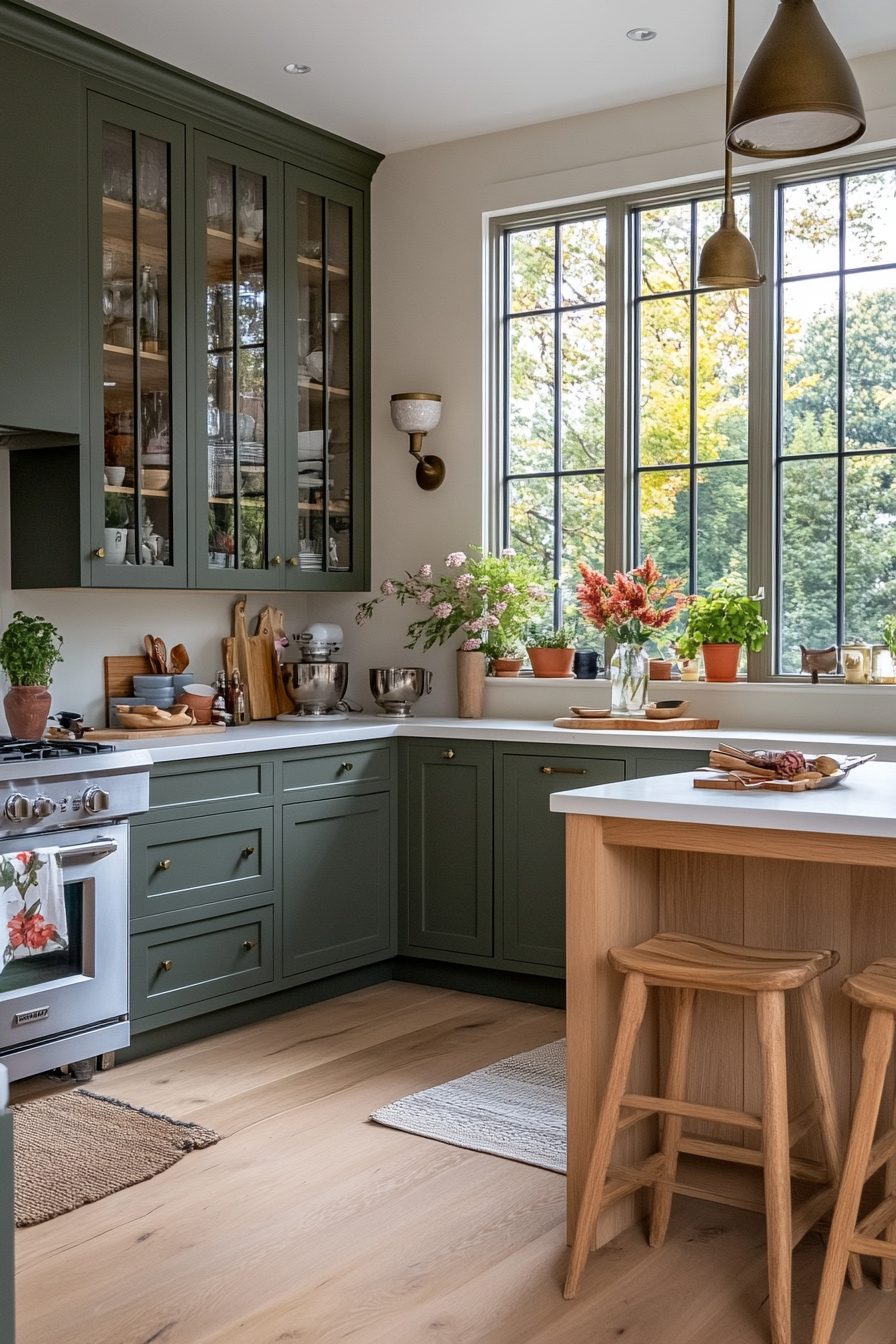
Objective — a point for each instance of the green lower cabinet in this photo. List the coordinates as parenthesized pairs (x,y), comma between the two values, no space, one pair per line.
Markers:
(448,889)
(178,865)
(532,868)
(200,961)
(337,881)
(668,763)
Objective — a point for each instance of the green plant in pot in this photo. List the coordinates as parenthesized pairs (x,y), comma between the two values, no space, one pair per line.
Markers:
(719,625)
(29,650)
(551,651)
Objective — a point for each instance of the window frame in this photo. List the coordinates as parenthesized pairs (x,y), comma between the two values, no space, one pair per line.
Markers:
(620,460)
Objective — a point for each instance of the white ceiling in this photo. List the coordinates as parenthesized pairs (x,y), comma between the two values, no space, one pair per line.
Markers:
(396,74)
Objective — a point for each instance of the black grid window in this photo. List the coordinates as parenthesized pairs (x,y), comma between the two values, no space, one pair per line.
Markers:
(691,351)
(554,326)
(836,410)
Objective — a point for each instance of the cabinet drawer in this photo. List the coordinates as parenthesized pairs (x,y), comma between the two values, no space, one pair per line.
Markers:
(176,865)
(347,767)
(171,968)
(209,783)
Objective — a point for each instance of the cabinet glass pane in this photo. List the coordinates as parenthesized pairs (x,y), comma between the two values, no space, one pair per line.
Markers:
(236,391)
(324,456)
(136,303)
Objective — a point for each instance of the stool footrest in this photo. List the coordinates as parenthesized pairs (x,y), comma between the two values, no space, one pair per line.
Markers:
(719,1114)
(806,1215)
(878,1219)
(884,1250)
(881,1152)
(801,1169)
(623,1181)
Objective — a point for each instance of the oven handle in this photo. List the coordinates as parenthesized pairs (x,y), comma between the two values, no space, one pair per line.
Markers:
(100,848)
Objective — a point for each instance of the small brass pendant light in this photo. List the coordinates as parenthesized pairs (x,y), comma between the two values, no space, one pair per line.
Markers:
(799,96)
(727,260)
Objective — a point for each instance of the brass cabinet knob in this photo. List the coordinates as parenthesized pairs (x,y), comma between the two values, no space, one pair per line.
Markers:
(449,755)
(165,965)
(249,944)
(347,765)
(164,864)
(100,553)
(293,560)
(250,849)
(274,560)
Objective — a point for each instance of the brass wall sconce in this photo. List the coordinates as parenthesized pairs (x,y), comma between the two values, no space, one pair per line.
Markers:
(415,414)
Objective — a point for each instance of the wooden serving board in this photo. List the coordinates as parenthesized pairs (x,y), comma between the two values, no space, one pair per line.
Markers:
(256,658)
(118,734)
(772,785)
(638,725)
(119,674)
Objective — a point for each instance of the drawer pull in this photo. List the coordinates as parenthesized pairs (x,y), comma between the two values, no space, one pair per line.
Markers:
(448,755)
(249,944)
(100,553)
(250,849)
(274,560)
(164,864)
(559,770)
(165,965)
(293,560)
(347,765)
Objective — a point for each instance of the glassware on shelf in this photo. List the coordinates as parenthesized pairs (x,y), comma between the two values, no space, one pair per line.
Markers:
(149,311)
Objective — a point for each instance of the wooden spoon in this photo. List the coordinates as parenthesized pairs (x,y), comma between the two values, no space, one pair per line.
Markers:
(150,652)
(179,660)
(161,654)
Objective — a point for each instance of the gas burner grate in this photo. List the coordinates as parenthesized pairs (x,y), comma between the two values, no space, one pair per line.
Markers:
(21,749)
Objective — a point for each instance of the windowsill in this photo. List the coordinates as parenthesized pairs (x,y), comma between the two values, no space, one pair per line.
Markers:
(784,684)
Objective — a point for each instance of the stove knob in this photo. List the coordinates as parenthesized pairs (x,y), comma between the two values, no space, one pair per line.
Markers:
(95,800)
(44,807)
(18,807)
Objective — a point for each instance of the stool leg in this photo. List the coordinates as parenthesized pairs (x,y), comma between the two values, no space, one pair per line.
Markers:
(875,1058)
(631,1015)
(776,1159)
(682,1024)
(888,1267)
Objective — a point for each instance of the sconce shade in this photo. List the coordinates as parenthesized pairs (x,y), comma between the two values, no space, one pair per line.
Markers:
(727,260)
(416,412)
(798,96)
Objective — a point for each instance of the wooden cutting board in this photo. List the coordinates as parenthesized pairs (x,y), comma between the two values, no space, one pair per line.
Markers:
(119,674)
(637,725)
(119,734)
(253,655)
(270,627)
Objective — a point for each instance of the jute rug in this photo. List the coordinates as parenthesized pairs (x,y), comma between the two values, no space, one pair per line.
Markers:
(516,1109)
(78,1147)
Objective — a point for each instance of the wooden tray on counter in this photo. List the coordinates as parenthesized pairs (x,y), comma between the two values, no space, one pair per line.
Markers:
(118,734)
(636,725)
(738,784)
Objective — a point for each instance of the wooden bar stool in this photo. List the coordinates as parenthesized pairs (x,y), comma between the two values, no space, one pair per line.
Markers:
(686,964)
(874,988)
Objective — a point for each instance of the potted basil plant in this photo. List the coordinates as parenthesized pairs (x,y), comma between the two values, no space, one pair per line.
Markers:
(29,650)
(719,625)
(551,651)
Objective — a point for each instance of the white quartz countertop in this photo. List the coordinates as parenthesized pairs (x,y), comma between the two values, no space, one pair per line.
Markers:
(271,735)
(864,804)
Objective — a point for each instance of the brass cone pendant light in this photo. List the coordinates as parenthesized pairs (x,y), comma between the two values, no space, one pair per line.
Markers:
(727,260)
(799,95)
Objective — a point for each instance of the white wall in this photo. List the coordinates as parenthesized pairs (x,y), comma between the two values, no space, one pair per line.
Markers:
(430,209)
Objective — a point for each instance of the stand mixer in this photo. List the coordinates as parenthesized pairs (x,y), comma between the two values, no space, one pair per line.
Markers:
(315,684)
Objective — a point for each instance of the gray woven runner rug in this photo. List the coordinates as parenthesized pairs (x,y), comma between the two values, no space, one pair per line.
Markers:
(515,1109)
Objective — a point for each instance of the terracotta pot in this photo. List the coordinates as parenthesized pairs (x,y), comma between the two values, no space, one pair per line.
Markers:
(660,669)
(470,684)
(720,661)
(201,706)
(506,667)
(551,662)
(27,709)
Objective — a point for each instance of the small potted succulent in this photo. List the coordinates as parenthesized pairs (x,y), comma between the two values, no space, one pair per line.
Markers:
(551,652)
(29,650)
(719,624)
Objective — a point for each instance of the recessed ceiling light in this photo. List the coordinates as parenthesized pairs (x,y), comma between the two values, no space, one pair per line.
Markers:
(293,69)
(633,35)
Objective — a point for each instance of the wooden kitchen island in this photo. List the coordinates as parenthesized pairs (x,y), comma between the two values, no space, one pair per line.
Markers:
(805,870)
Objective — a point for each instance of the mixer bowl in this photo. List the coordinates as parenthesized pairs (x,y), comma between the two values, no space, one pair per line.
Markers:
(315,688)
(396,689)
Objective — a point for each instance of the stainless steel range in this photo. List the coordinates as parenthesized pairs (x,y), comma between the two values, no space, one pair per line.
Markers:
(66,1001)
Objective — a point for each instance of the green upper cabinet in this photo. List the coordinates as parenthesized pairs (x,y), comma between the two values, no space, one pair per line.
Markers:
(185,323)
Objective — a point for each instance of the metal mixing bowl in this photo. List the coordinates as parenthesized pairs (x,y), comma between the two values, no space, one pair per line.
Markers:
(315,688)
(395,689)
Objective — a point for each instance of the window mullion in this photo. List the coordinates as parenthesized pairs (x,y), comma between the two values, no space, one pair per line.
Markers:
(763,388)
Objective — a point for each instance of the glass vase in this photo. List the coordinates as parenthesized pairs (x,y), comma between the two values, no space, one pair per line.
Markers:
(629,678)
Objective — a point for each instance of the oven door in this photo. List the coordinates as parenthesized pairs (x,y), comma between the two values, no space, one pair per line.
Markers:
(54,994)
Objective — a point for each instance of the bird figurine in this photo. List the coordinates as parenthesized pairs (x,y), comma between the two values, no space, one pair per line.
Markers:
(819,660)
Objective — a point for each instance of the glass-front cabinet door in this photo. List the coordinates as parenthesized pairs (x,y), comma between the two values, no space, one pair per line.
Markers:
(138,450)
(325,331)
(238,519)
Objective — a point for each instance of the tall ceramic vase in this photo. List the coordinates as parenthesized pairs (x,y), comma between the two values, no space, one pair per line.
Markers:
(27,709)
(629,676)
(470,684)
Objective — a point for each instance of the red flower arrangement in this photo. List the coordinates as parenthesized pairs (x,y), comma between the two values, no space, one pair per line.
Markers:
(634,606)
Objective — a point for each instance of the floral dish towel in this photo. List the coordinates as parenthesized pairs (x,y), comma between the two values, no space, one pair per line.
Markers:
(32,904)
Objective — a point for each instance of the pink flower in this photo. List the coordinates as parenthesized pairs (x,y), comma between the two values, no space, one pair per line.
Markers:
(470,645)
(510,589)
(508,550)
(499,607)
(536,591)
(482,588)
(387,587)
(463,581)
(442,610)
(426,596)
(455,559)
(477,624)
(426,571)
(361,618)
(492,621)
